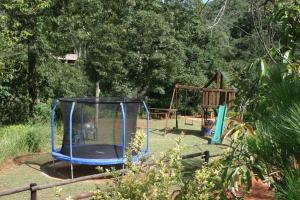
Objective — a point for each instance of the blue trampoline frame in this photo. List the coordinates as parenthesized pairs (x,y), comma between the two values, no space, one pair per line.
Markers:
(74,160)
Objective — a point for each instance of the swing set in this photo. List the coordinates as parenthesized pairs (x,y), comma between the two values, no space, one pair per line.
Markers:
(214,94)
(175,103)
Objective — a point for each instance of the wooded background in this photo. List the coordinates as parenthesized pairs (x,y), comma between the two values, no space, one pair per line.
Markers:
(133,48)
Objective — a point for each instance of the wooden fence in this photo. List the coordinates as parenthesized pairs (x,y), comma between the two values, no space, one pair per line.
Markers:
(33,188)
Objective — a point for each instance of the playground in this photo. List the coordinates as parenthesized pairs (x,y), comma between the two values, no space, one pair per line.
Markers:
(37,168)
(101,130)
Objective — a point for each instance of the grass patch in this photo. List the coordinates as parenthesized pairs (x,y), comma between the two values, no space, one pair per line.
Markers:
(19,139)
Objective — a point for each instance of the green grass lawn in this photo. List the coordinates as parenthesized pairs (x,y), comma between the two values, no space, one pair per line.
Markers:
(159,142)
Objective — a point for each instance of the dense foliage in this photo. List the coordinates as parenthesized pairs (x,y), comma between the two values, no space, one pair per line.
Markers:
(132,48)
(273,109)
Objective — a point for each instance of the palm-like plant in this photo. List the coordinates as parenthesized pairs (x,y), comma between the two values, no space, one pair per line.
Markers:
(290,188)
(277,141)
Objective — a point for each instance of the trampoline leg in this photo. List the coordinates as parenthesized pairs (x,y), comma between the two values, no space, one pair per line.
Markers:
(53,161)
(72,171)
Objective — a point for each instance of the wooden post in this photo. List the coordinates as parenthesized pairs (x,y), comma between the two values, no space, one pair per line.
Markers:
(206,98)
(33,193)
(206,156)
(202,117)
(209,98)
(170,108)
(219,81)
(229,99)
(176,112)
(171,104)
(218,95)
(233,98)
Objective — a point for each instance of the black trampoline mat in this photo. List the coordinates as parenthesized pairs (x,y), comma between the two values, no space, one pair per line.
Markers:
(95,151)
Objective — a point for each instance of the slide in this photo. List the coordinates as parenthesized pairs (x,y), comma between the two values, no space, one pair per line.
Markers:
(220,124)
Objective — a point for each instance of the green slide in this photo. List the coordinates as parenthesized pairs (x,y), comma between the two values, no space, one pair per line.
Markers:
(220,124)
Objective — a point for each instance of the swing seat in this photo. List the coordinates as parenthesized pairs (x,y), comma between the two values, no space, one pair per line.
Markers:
(187,122)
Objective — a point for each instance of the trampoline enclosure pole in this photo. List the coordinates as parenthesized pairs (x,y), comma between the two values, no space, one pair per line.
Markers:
(72,175)
(124,129)
(82,134)
(52,124)
(70,127)
(147,126)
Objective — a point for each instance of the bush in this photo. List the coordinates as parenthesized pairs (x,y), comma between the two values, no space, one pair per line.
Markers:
(144,181)
(33,141)
(42,112)
(203,185)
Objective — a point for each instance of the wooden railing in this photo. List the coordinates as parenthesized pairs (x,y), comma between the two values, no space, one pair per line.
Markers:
(33,187)
(212,98)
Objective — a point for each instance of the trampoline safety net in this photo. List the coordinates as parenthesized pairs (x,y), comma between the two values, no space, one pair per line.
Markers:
(97,126)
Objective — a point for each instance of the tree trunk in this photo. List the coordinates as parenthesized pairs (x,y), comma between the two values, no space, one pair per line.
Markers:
(32,76)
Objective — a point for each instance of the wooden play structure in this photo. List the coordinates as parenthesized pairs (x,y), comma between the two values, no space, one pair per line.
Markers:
(214,93)
(212,98)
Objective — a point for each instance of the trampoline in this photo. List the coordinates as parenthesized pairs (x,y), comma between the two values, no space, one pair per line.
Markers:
(97,131)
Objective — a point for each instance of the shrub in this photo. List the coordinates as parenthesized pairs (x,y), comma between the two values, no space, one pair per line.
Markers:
(42,113)
(204,184)
(144,181)
(33,141)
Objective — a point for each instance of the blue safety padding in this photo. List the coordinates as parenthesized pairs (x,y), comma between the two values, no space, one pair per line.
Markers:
(84,161)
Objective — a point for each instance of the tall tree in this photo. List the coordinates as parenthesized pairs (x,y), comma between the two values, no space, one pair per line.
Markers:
(154,55)
(106,46)
(25,19)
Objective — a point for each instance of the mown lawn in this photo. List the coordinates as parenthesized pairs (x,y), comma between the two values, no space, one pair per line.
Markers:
(25,174)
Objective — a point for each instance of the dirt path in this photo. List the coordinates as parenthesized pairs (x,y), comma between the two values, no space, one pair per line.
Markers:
(61,173)
(7,166)
(12,163)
